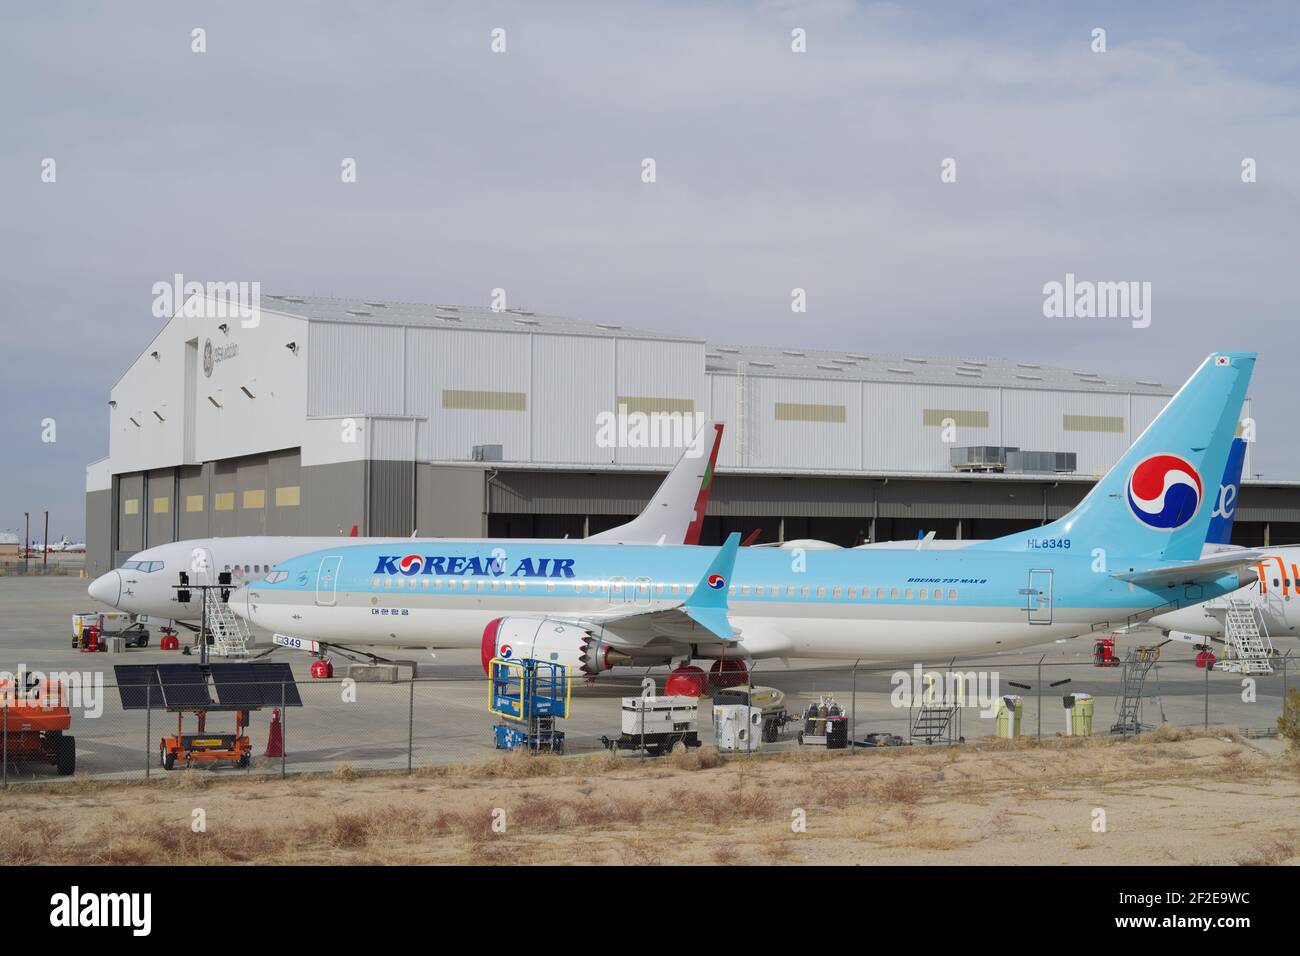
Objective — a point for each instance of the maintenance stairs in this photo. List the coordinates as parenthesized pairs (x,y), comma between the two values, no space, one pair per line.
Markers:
(1136,665)
(230,635)
(1246,640)
(932,722)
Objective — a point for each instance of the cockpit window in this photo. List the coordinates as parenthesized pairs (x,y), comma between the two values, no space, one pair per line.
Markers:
(144,567)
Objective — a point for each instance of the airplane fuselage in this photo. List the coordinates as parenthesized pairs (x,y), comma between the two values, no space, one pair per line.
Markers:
(840,604)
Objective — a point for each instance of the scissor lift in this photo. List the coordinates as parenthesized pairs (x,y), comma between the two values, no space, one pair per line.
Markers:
(530,695)
(182,689)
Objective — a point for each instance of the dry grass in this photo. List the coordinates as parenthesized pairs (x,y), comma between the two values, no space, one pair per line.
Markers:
(1271,853)
(984,803)
(899,789)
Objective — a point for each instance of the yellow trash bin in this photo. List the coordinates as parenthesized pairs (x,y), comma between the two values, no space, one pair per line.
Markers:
(1083,715)
(1010,709)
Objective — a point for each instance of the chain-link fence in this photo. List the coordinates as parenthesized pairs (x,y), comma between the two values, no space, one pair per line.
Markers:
(408,724)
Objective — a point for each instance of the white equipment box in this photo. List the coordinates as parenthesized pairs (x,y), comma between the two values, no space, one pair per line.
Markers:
(108,622)
(660,715)
(738,728)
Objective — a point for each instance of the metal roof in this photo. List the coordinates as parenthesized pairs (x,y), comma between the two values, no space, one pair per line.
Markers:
(759,361)
(920,369)
(377,312)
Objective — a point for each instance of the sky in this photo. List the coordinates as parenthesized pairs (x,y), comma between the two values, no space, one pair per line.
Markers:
(821,170)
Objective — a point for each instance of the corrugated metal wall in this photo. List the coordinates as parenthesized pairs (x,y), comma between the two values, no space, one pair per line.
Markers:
(1026,502)
(667,375)
(355,369)
(394,439)
(566,405)
(898,437)
(1034,418)
(392,498)
(194,504)
(223,502)
(250,502)
(161,506)
(778,422)
(130,512)
(451,360)
(284,492)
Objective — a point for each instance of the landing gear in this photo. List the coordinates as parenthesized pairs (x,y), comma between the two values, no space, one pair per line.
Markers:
(687,681)
(728,672)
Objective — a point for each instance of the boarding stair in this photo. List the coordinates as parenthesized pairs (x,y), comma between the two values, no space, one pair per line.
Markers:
(932,721)
(1136,665)
(1246,640)
(230,635)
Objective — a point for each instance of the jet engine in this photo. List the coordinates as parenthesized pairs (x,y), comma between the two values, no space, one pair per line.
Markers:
(575,647)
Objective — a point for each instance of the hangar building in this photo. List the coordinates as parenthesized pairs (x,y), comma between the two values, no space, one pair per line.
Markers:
(325,413)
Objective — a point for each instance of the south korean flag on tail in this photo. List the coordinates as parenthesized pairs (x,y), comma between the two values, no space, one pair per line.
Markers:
(1222,360)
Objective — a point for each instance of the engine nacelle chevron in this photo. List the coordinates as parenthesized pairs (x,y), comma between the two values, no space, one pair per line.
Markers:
(577,648)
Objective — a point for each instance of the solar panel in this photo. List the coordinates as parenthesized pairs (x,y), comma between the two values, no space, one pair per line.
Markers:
(184,685)
(237,684)
(138,686)
(277,683)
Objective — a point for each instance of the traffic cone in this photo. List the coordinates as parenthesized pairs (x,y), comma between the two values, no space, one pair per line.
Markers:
(275,739)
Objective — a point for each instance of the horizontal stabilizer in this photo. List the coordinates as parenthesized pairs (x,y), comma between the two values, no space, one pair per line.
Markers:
(1204,571)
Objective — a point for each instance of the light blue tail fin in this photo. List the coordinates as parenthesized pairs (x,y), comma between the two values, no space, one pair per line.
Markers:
(1155,504)
(1225,504)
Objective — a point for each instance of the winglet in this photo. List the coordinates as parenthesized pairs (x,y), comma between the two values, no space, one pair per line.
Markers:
(707,604)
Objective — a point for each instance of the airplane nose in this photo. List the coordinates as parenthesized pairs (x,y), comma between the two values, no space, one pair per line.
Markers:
(107,588)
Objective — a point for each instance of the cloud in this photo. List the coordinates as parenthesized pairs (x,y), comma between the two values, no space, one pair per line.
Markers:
(775,170)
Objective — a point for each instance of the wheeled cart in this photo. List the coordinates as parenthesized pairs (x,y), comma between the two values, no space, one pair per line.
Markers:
(658,725)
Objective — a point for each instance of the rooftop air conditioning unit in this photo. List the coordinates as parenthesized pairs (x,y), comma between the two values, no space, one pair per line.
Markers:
(980,458)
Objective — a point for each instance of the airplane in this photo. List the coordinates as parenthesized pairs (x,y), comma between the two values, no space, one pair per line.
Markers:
(67,546)
(145,585)
(1130,550)
(1274,595)
(1218,538)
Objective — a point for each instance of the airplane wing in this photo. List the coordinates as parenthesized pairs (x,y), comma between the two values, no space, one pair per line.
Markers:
(700,618)
(1204,571)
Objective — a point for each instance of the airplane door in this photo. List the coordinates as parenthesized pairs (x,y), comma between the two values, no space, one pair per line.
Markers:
(327,581)
(1039,597)
(203,566)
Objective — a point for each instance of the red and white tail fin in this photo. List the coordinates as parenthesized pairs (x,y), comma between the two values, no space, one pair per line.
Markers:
(675,514)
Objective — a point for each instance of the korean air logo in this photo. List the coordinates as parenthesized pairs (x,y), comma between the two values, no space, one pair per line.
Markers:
(411,564)
(1164,492)
(1226,506)
(505,652)
(717,582)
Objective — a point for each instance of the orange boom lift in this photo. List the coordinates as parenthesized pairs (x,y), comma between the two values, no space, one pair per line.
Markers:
(34,720)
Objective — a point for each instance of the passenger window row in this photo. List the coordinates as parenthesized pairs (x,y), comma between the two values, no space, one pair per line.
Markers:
(602,587)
